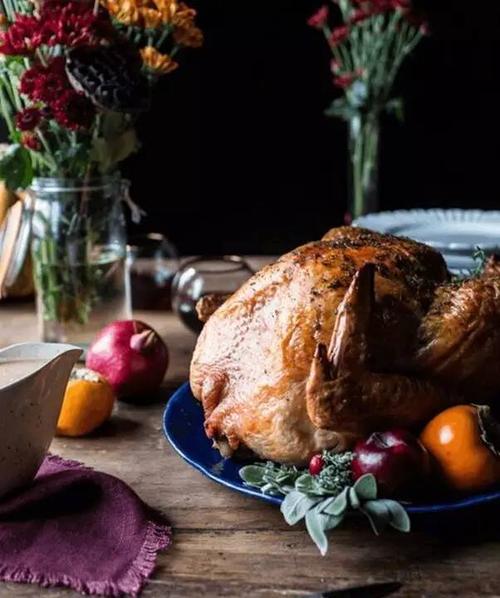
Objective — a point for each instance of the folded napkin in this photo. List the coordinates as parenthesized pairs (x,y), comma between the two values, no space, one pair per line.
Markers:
(79,528)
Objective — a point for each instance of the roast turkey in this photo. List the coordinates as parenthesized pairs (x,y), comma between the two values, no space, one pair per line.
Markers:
(354,333)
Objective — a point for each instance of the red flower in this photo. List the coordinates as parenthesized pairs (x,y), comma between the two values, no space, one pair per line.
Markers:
(73,23)
(29,80)
(339,34)
(28,119)
(335,66)
(347,79)
(73,111)
(318,19)
(45,84)
(21,37)
(59,23)
(31,141)
(359,15)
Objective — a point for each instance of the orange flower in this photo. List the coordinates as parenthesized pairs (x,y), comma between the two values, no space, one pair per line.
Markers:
(124,11)
(191,36)
(183,16)
(157,62)
(152,18)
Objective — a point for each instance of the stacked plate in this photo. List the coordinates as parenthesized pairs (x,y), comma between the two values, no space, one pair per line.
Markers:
(457,234)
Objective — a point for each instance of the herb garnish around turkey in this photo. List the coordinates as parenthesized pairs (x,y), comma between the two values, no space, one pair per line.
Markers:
(480,258)
(324,500)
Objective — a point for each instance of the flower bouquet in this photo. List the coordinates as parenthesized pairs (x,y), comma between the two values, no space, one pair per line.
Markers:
(369,43)
(74,77)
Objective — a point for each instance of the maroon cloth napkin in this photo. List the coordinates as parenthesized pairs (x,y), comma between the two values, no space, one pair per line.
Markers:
(79,528)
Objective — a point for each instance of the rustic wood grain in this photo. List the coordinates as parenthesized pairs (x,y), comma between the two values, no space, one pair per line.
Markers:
(229,545)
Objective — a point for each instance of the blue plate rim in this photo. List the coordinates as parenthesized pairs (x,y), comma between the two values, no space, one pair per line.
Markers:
(185,390)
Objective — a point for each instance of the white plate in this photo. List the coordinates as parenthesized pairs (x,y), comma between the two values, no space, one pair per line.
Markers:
(456,231)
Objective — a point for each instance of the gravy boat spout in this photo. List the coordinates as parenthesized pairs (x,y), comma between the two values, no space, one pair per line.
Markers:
(33,378)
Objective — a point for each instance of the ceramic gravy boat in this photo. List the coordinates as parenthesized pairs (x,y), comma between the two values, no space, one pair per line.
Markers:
(30,403)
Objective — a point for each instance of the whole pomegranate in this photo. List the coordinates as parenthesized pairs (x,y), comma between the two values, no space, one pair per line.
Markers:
(131,356)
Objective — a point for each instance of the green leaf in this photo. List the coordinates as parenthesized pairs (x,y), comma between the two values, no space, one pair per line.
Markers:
(253,475)
(366,487)
(295,505)
(395,107)
(399,518)
(354,501)
(340,108)
(108,152)
(316,526)
(338,505)
(378,514)
(16,168)
(307,483)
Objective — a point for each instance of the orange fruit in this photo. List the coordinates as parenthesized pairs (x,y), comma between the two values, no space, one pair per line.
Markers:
(461,440)
(87,404)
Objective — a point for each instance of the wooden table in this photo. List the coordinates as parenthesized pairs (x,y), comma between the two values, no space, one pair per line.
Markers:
(228,545)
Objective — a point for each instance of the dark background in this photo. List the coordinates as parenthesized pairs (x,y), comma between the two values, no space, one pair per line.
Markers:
(238,157)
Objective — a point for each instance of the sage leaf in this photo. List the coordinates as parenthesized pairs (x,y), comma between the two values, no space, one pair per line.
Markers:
(338,505)
(307,484)
(353,499)
(399,518)
(253,475)
(316,525)
(378,514)
(295,506)
(366,487)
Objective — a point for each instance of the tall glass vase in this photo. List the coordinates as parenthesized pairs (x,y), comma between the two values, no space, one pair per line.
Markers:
(364,133)
(79,257)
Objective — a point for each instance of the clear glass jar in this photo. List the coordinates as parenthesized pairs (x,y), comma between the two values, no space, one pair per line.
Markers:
(79,257)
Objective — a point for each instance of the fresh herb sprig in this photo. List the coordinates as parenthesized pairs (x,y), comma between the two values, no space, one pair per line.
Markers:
(480,258)
(324,500)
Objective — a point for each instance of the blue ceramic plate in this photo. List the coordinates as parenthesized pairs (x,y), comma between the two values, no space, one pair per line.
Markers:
(183,427)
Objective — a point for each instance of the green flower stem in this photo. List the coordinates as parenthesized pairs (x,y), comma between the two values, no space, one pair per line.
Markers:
(50,156)
(364,136)
(6,111)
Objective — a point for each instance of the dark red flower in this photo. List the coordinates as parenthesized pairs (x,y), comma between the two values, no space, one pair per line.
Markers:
(335,66)
(31,142)
(339,34)
(73,111)
(59,22)
(21,37)
(347,79)
(319,18)
(73,23)
(46,83)
(359,15)
(29,80)
(28,119)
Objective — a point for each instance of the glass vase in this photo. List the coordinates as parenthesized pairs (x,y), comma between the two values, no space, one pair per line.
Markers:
(364,134)
(79,257)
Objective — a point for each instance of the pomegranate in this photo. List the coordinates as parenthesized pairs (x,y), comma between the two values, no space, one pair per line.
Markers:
(396,458)
(316,464)
(131,356)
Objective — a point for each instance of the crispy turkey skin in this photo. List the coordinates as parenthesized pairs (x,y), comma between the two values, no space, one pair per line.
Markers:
(340,337)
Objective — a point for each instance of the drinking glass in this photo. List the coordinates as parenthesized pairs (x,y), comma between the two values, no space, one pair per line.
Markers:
(206,275)
(153,261)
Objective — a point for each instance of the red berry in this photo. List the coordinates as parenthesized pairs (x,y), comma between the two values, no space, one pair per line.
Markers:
(316,464)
